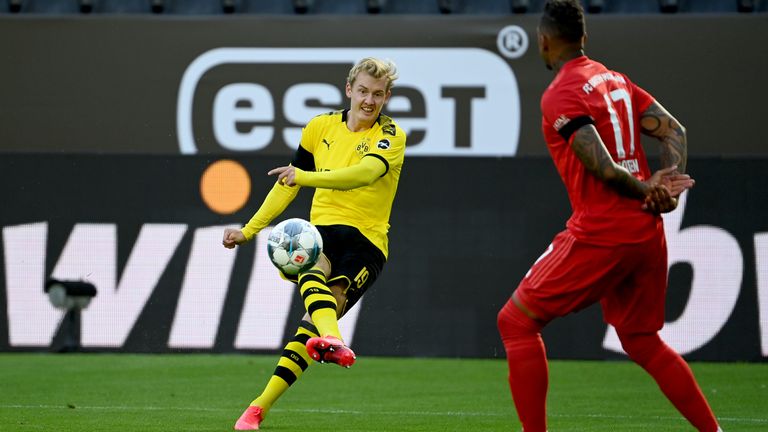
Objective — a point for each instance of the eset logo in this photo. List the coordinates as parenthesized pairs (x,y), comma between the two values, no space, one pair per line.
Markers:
(449,101)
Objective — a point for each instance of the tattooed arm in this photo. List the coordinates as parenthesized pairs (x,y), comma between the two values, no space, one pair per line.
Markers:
(590,149)
(659,123)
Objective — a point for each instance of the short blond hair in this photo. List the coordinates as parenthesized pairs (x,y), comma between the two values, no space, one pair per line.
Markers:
(376,68)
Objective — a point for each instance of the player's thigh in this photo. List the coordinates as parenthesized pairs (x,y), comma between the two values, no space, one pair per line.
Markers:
(355,263)
(570,276)
(637,305)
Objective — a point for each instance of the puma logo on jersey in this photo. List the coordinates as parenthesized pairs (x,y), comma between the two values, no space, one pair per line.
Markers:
(327,144)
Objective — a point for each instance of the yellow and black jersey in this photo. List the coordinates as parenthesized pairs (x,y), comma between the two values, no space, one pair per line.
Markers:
(327,145)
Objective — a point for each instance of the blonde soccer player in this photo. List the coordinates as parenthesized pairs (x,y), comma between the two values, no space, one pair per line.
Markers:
(353,158)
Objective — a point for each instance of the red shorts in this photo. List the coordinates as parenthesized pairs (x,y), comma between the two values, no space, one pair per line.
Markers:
(629,281)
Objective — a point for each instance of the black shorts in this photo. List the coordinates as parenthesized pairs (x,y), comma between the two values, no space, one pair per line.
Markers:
(354,260)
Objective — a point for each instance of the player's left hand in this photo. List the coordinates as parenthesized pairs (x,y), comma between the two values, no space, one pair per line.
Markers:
(658,200)
(286,175)
(232,238)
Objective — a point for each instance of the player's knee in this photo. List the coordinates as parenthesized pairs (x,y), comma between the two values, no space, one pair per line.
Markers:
(339,291)
(641,347)
(323,264)
(502,320)
(511,321)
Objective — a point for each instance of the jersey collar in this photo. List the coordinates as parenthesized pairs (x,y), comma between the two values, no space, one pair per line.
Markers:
(346,110)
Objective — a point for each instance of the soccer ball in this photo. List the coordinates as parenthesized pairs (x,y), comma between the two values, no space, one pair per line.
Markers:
(294,245)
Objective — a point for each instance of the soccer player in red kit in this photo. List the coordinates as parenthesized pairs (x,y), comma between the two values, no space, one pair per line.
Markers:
(613,250)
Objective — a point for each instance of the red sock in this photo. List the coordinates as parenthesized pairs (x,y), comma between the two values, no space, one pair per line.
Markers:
(527,360)
(673,376)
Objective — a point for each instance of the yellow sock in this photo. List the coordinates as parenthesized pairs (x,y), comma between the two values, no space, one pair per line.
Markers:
(293,362)
(320,303)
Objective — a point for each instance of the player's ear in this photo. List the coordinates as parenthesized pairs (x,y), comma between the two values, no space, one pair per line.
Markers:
(543,42)
(348,89)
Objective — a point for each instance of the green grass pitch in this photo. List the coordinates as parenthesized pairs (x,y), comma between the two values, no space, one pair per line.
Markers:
(200,392)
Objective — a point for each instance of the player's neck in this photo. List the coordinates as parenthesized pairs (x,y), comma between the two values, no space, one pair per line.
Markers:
(358,125)
(565,56)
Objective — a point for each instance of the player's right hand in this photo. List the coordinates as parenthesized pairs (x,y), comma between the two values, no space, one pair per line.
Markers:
(233,237)
(678,183)
(675,182)
(286,175)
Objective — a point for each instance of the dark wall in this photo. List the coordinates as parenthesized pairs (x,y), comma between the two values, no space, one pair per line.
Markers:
(112,85)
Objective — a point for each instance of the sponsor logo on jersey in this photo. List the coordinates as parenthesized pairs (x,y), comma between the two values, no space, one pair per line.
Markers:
(388,129)
(383,144)
(632,165)
(560,122)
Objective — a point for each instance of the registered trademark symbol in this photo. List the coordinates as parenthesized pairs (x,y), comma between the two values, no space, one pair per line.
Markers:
(512,41)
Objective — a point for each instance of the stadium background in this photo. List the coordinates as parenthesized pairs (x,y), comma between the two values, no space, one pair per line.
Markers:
(98,183)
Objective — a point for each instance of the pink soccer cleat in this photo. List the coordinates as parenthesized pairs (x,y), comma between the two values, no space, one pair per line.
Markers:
(330,349)
(251,418)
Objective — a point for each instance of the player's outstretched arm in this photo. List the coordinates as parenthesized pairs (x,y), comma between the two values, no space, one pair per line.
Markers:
(590,149)
(368,170)
(657,122)
(274,204)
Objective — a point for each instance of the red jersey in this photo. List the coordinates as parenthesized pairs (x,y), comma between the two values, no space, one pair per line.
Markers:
(584,91)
